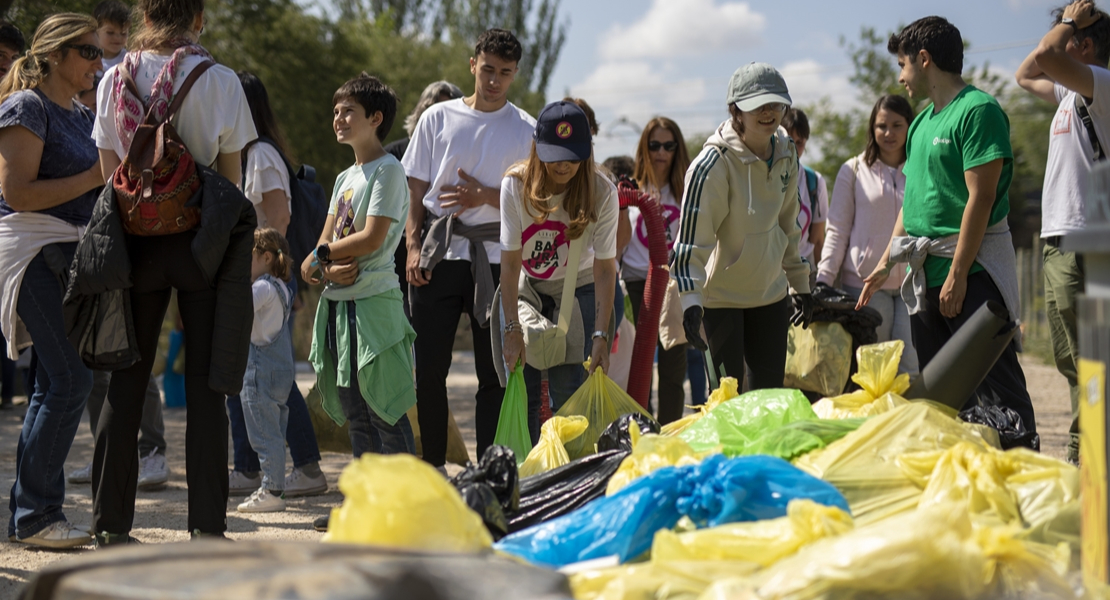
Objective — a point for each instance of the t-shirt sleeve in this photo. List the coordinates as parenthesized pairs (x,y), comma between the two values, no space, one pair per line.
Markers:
(265,172)
(418,156)
(237,128)
(24,109)
(333,204)
(822,200)
(511,227)
(985,136)
(388,193)
(605,232)
(1100,102)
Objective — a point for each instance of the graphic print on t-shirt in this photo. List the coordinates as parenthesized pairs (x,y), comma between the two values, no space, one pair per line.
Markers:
(670,216)
(544,247)
(344,215)
(1062,123)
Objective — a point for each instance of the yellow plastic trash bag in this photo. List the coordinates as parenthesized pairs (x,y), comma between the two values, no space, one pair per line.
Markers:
(400,501)
(863,465)
(764,542)
(601,401)
(877,376)
(818,358)
(671,580)
(729,389)
(651,453)
(550,452)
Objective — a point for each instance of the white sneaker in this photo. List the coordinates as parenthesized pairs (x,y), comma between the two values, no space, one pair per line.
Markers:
(82,475)
(59,534)
(297,483)
(153,472)
(262,501)
(241,485)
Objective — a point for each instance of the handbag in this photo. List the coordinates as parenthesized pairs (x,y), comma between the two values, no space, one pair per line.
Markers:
(546,342)
(158,176)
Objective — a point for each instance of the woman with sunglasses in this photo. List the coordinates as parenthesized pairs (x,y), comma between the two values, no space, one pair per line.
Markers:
(214,122)
(554,197)
(49,177)
(737,258)
(661,162)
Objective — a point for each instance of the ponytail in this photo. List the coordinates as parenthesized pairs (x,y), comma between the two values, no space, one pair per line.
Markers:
(269,240)
(29,70)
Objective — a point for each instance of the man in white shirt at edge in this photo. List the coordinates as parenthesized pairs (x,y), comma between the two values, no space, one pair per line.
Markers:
(1071,59)
(456,159)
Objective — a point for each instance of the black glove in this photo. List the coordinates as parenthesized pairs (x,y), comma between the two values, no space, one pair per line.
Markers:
(803,310)
(823,289)
(691,323)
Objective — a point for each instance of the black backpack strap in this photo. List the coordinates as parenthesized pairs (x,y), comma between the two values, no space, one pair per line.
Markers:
(1085,116)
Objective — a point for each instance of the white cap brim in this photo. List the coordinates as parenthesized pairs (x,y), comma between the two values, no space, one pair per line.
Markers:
(751,104)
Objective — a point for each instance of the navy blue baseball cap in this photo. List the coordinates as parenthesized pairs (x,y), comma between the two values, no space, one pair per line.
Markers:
(562,133)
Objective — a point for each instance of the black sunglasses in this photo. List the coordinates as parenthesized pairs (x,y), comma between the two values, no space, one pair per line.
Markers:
(668,146)
(87,51)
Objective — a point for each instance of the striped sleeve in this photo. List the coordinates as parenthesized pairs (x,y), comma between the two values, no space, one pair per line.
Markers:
(704,207)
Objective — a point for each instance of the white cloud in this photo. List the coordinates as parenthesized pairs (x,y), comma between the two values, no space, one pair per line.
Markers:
(685,28)
(639,88)
(810,81)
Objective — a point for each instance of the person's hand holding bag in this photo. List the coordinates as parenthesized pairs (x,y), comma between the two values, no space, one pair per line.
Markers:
(691,323)
(803,310)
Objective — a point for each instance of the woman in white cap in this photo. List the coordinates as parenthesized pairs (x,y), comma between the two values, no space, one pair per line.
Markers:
(553,198)
(737,258)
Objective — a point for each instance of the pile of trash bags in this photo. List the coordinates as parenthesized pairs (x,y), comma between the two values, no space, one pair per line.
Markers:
(757,495)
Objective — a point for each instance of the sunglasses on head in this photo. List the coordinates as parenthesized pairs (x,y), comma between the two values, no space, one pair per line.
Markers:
(87,51)
(657,146)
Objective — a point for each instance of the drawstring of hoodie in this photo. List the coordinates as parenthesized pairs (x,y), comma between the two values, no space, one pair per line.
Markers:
(751,211)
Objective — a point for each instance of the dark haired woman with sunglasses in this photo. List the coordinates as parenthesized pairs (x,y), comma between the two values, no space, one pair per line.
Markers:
(49,174)
(661,162)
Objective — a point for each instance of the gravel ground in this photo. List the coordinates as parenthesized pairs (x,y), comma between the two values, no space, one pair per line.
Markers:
(161,515)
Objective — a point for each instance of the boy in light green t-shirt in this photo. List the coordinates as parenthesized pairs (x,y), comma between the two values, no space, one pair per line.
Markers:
(958,170)
(362,342)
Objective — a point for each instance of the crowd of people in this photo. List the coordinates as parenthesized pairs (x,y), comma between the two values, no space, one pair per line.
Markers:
(482,210)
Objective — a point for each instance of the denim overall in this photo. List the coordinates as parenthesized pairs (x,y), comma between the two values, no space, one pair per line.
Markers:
(269,376)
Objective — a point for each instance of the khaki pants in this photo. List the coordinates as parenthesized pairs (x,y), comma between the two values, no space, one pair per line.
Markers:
(1063,281)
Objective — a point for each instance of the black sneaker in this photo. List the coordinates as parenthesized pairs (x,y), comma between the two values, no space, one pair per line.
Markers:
(104,539)
(321,523)
(197,534)
(6,404)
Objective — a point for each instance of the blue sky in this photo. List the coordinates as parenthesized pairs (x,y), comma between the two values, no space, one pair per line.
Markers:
(634,59)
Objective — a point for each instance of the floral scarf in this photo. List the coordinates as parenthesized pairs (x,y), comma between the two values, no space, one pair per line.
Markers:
(130,111)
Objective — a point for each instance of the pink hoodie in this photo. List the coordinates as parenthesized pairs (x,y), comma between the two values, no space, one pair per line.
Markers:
(862,213)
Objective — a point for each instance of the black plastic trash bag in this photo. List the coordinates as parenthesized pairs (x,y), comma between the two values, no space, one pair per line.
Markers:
(491,488)
(564,489)
(1011,429)
(615,436)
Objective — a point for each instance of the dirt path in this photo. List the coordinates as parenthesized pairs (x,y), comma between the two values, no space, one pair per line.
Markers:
(161,515)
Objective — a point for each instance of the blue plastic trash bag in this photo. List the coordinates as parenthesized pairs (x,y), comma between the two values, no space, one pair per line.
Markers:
(717,491)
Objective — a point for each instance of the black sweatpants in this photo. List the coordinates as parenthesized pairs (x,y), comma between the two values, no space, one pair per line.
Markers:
(158,264)
(672,365)
(755,335)
(931,330)
(436,310)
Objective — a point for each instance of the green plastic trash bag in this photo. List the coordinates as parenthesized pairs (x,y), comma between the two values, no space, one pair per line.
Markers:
(795,439)
(512,425)
(734,426)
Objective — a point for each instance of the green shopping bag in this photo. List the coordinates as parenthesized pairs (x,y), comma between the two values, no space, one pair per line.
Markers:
(512,425)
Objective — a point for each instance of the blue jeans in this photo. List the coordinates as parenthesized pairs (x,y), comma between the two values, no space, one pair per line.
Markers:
(695,372)
(62,383)
(895,325)
(563,380)
(368,431)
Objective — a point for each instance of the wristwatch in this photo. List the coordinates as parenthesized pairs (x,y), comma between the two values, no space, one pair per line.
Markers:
(1069,21)
(323,254)
(601,334)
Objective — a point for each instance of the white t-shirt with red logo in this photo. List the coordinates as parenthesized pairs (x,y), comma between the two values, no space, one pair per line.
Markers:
(637,259)
(545,245)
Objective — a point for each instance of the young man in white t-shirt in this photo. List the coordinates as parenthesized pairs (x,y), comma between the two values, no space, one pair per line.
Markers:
(1069,68)
(456,158)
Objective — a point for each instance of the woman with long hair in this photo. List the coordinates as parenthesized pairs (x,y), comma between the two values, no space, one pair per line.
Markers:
(549,201)
(660,167)
(211,279)
(736,258)
(49,176)
(864,209)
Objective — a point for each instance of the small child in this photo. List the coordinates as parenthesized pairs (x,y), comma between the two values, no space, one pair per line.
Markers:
(114,23)
(270,370)
(362,342)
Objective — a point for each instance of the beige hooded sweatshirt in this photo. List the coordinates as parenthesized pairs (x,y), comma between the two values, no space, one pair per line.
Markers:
(738,234)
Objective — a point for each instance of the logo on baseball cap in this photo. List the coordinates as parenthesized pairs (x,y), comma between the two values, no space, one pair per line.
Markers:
(756,84)
(562,133)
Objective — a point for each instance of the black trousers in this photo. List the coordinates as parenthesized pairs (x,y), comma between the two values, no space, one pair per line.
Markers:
(158,264)
(672,365)
(755,335)
(436,310)
(931,330)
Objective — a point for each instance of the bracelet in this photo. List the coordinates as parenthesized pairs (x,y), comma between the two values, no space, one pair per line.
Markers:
(512,326)
(601,334)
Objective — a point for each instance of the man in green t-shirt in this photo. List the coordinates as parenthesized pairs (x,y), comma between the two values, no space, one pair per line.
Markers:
(958,170)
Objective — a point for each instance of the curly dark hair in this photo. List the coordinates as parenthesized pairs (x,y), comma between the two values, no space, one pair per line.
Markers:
(374,96)
(936,36)
(1098,32)
(500,43)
